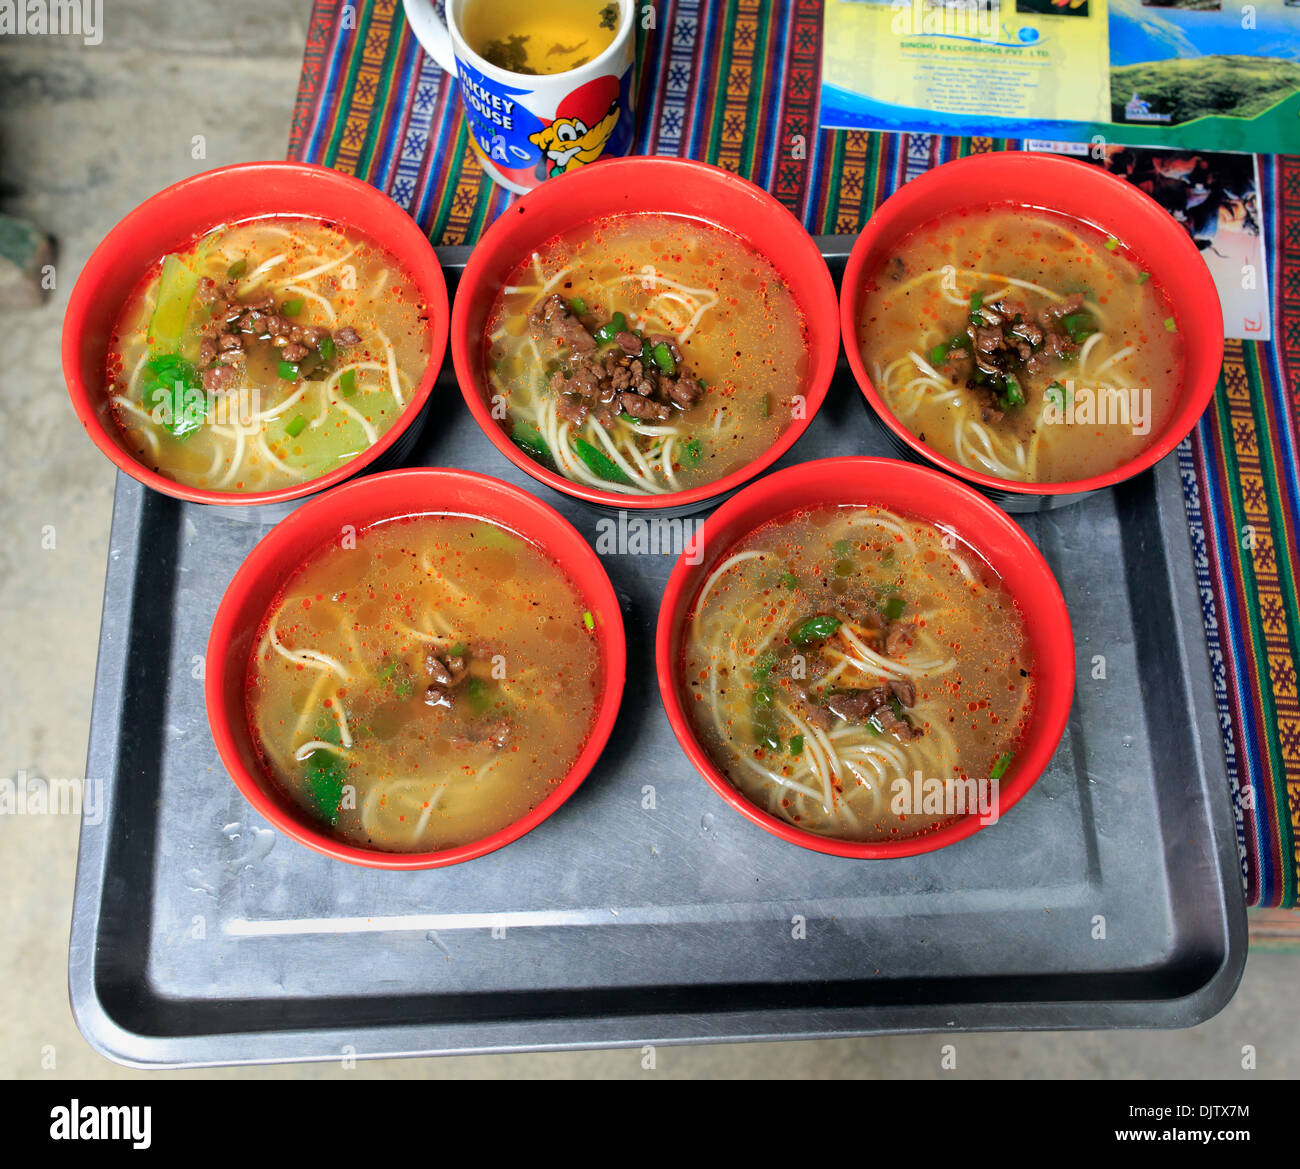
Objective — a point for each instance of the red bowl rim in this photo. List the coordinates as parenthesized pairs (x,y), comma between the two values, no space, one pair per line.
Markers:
(356,195)
(682,171)
(421,486)
(779,494)
(1199,283)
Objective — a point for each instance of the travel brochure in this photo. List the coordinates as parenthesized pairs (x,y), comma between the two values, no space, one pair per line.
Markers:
(1183,73)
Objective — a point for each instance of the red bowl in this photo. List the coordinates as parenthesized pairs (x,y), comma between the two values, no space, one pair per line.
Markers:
(1081,191)
(368,501)
(172,220)
(671,186)
(926,495)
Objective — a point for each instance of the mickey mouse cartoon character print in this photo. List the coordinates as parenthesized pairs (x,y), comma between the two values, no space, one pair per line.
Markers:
(583,125)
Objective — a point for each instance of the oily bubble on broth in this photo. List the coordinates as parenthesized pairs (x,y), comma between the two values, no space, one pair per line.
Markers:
(859,673)
(426,688)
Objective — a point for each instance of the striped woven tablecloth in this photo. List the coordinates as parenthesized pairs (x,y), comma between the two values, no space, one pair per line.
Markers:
(735,82)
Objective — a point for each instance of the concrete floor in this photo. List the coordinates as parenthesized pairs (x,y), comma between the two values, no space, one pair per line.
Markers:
(85,135)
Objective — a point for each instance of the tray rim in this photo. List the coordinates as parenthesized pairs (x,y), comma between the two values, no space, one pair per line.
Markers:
(119,1043)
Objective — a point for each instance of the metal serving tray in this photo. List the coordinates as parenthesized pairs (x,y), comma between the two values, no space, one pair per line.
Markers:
(644,910)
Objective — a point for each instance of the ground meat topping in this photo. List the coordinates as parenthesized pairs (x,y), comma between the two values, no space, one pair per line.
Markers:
(1002,342)
(609,368)
(234,326)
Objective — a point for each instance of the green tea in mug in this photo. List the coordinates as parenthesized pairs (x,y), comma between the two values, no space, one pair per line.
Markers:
(539,36)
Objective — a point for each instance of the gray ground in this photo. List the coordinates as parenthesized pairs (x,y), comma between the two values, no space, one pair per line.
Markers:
(85,135)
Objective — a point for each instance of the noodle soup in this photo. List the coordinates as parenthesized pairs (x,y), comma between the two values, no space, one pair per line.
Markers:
(858,673)
(1022,344)
(425,688)
(646,354)
(268,353)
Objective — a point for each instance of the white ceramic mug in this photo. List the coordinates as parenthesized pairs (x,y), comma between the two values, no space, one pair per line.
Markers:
(526,128)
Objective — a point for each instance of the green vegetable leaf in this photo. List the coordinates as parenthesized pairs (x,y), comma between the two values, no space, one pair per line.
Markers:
(598,462)
(172,392)
(1001,765)
(176,288)
(690,453)
(529,439)
(326,774)
(480,696)
(817,628)
(348,383)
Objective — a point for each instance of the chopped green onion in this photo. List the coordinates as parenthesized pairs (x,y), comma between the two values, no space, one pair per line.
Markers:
(327,349)
(236,270)
(607,332)
(844,567)
(1000,767)
(1171,325)
(796,744)
(1056,393)
(893,608)
(589,621)
(939,354)
(287,371)
(976,301)
(789,580)
(348,383)
(763,664)
(663,358)
(842,547)
(296,427)
(1143,277)
(1079,326)
(578,306)
(291,308)
(1015,396)
(1111,243)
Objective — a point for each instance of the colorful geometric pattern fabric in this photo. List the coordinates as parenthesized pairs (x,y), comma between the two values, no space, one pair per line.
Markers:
(736,83)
